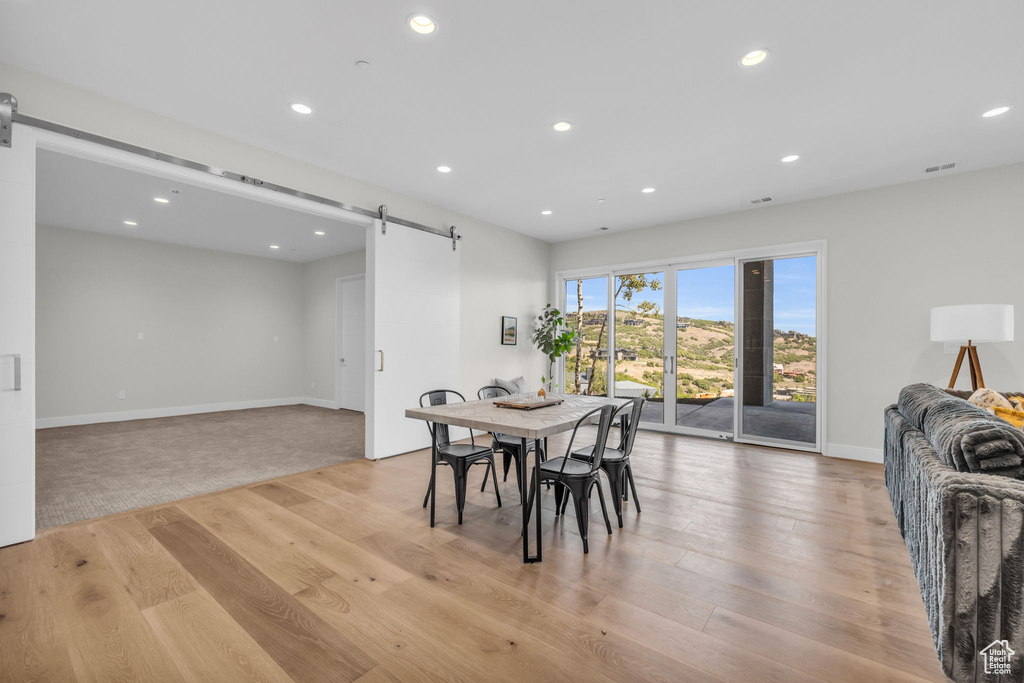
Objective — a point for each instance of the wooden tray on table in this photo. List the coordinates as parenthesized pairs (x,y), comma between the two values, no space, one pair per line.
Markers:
(529,403)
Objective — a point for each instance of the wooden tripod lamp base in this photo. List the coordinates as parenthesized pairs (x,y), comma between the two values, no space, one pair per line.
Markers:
(982,322)
(977,379)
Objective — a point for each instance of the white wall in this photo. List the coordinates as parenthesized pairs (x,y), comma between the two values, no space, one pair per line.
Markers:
(209,321)
(893,253)
(319,312)
(492,256)
(507,274)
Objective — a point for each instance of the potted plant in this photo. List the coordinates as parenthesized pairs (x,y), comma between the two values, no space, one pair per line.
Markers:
(551,337)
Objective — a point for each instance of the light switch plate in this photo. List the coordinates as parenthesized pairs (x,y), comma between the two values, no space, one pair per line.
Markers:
(140,336)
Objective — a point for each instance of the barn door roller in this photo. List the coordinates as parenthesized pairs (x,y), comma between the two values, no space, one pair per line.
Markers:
(8,105)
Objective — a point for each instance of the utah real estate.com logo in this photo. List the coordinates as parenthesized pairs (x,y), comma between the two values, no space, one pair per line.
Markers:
(997,657)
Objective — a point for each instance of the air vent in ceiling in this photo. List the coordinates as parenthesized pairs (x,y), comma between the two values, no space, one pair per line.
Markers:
(762,200)
(943,167)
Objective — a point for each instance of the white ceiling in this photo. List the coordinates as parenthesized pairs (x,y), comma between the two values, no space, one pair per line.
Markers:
(869,93)
(86,195)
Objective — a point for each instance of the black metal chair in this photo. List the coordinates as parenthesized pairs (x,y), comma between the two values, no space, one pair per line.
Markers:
(459,456)
(577,477)
(510,446)
(616,460)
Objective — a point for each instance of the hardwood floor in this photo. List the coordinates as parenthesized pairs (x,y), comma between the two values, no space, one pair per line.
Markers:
(747,564)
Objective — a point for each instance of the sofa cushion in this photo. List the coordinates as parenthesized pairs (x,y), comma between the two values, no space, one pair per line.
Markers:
(965,437)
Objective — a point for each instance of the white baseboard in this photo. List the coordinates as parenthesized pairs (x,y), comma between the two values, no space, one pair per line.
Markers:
(320,403)
(838,450)
(71,420)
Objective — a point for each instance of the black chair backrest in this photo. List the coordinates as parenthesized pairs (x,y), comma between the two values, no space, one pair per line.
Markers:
(604,427)
(630,413)
(439,431)
(492,391)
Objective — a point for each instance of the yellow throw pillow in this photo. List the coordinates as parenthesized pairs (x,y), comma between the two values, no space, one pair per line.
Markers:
(1014,417)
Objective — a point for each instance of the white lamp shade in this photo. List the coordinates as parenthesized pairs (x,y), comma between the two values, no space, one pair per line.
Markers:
(973,322)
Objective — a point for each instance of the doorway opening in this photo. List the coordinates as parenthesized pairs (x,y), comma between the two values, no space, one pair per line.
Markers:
(185,336)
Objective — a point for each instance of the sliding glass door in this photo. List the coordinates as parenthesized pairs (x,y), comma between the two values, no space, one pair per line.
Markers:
(725,348)
(779,354)
(639,335)
(704,336)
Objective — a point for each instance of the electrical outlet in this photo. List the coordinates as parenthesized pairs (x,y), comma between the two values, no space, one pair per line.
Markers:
(951,348)
(276,338)
(140,336)
(312,385)
(120,395)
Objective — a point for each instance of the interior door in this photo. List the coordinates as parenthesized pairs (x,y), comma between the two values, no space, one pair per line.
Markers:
(17,338)
(415,299)
(350,391)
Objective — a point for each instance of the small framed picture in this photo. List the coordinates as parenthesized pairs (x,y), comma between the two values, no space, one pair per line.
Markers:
(509,330)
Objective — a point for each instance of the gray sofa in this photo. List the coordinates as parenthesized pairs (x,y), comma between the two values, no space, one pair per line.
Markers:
(964,529)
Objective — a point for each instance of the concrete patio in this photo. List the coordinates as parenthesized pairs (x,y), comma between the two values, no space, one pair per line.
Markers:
(788,420)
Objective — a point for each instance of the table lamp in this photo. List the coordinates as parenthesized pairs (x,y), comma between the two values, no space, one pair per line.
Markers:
(972,323)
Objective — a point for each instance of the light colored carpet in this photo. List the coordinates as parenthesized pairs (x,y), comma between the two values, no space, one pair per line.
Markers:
(94,470)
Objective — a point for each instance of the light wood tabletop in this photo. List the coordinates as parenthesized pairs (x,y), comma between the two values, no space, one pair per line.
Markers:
(538,423)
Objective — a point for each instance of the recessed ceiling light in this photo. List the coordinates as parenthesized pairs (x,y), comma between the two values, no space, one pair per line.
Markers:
(274,246)
(995,112)
(161,200)
(754,57)
(600,201)
(363,64)
(320,232)
(444,169)
(545,213)
(562,126)
(300,108)
(790,158)
(130,223)
(421,23)
(647,190)
(602,228)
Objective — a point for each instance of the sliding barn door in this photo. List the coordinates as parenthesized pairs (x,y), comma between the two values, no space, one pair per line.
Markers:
(17,338)
(414,296)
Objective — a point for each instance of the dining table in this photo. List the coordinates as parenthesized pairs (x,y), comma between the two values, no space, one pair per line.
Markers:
(536,424)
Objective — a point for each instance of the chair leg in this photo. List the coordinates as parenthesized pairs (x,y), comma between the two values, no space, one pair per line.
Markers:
(604,509)
(616,482)
(565,502)
(581,501)
(559,495)
(487,470)
(430,487)
(506,458)
(529,507)
(494,475)
(636,501)
(459,469)
(514,457)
